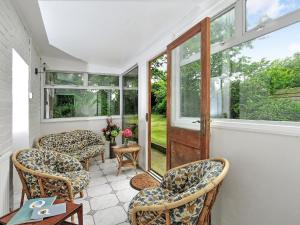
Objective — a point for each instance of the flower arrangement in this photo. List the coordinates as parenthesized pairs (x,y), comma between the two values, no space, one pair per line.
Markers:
(127,133)
(111,131)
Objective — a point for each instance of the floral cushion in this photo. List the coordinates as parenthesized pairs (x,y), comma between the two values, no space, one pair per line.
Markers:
(53,163)
(79,143)
(88,152)
(178,184)
(148,197)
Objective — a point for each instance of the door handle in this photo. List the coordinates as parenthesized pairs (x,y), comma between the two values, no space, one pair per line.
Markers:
(147,117)
(196,121)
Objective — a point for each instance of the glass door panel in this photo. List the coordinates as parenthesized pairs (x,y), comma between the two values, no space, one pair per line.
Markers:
(186,84)
(130,102)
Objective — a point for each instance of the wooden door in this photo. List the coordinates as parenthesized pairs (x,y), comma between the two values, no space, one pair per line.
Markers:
(188,111)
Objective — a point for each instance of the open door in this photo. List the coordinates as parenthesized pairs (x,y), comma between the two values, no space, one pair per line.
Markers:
(188,109)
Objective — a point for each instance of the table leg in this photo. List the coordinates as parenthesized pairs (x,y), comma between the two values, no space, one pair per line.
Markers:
(120,157)
(80,216)
(22,198)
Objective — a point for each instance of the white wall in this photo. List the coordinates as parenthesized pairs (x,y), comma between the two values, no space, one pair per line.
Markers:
(14,35)
(262,186)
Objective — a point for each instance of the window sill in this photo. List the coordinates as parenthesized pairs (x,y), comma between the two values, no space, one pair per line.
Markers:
(59,120)
(268,127)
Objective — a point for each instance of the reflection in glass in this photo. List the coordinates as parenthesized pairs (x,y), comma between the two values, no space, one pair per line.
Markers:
(189,48)
(257,81)
(186,79)
(103,80)
(130,102)
(68,103)
(190,90)
(63,78)
(223,27)
(259,12)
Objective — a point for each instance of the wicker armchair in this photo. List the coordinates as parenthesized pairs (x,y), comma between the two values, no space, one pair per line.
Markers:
(185,196)
(47,173)
(80,144)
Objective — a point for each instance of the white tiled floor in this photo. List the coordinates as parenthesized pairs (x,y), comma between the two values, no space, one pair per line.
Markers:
(107,198)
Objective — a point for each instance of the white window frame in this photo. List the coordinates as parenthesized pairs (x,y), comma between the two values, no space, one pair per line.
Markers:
(240,36)
(128,88)
(81,87)
(289,128)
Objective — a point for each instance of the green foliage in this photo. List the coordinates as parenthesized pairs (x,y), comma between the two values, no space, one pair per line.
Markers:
(159,85)
(103,80)
(190,89)
(255,96)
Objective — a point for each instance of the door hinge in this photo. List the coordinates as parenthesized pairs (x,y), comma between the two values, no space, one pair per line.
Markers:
(147,117)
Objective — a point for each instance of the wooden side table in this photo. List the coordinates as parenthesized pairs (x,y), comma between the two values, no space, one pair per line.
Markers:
(132,154)
(71,209)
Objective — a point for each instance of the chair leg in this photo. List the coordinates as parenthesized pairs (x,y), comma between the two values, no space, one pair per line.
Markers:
(102,157)
(81,194)
(87,162)
(22,198)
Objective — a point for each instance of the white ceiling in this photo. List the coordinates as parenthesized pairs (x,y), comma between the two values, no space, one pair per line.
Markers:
(104,32)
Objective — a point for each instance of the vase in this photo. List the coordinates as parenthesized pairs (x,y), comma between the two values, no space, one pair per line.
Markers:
(111,151)
(126,142)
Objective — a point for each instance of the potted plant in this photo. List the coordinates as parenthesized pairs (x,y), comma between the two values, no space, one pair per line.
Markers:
(110,133)
(127,133)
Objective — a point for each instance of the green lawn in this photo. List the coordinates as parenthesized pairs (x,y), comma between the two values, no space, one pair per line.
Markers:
(159,129)
(158,161)
(158,136)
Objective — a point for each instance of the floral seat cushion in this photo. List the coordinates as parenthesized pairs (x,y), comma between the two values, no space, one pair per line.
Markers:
(79,180)
(81,144)
(87,152)
(52,163)
(148,197)
(177,184)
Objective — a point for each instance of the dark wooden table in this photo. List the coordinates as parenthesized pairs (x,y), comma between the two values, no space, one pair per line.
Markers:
(71,209)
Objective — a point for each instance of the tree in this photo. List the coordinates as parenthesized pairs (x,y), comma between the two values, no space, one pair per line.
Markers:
(159,85)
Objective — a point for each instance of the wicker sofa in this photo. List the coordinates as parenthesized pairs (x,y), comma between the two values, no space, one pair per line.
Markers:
(48,173)
(185,196)
(80,144)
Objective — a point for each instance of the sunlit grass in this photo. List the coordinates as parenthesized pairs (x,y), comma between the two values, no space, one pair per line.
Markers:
(159,129)
(158,136)
(158,161)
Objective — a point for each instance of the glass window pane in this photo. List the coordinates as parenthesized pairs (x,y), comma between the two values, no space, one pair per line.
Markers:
(131,79)
(223,27)
(189,90)
(186,82)
(103,80)
(130,102)
(108,102)
(256,81)
(67,103)
(262,11)
(189,49)
(62,78)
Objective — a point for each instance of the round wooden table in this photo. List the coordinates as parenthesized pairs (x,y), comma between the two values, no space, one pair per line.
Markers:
(127,156)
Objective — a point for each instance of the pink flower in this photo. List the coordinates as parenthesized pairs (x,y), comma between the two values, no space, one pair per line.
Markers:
(127,133)
(107,133)
(104,129)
